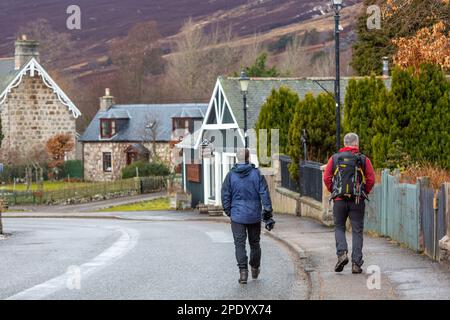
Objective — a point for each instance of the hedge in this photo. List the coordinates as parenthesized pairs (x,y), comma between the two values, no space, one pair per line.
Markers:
(145,169)
(407,124)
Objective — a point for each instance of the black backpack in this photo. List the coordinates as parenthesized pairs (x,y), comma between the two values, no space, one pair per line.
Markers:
(348,176)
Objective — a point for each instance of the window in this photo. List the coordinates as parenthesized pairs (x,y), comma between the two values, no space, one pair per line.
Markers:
(107,162)
(107,128)
(181,127)
(181,123)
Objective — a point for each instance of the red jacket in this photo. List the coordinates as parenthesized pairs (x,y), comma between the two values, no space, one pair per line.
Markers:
(369,172)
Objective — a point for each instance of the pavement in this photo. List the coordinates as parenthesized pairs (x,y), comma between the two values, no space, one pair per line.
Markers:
(117,259)
(403,274)
(390,270)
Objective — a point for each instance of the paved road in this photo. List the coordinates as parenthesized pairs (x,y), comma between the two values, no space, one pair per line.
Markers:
(136,260)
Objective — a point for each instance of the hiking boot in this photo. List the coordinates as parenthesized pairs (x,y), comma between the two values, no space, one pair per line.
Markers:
(255,273)
(243,276)
(342,262)
(356,269)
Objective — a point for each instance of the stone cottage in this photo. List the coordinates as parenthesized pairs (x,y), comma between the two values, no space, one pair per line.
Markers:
(33,107)
(121,134)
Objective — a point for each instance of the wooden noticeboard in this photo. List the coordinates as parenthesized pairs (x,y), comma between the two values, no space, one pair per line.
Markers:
(193,172)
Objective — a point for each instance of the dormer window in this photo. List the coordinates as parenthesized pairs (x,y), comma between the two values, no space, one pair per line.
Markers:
(182,126)
(107,128)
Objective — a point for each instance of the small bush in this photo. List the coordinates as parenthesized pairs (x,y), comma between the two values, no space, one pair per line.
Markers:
(73,169)
(145,169)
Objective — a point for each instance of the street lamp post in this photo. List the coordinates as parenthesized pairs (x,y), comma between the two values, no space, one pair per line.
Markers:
(337,4)
(244,81)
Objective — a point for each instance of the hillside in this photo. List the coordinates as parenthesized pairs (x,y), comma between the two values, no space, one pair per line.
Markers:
(104,20)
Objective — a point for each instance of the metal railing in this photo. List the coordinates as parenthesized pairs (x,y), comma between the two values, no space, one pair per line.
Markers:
(287,181)
(309,183)
(310,180)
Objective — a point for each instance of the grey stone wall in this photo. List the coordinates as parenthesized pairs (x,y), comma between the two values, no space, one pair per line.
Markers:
(31,115)
(93,158)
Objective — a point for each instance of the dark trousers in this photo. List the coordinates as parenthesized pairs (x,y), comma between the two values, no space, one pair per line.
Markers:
(240,232)
(342,210)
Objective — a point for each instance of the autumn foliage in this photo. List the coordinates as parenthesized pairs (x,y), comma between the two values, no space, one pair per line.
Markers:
(57,147)
(437,175)
(405,26)
(429,45)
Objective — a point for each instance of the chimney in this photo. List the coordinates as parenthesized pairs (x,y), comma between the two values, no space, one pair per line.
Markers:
(385,67)
(106,101)
(25,50)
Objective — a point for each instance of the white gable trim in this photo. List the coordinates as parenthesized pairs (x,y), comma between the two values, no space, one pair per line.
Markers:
(214,107)
(31,68)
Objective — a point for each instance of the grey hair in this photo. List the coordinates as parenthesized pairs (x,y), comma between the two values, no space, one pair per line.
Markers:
(351,139)
(243,155)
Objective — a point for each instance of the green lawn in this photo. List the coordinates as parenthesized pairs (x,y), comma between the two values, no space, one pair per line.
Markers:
(152,205)
(48,185)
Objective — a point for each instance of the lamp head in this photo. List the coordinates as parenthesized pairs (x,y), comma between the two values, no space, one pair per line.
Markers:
(244,81)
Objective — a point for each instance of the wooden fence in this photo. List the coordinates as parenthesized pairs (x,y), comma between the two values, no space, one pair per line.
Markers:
(408,213)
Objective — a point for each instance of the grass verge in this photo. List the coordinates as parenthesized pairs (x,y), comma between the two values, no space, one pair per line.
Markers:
(48,186)
(159,204)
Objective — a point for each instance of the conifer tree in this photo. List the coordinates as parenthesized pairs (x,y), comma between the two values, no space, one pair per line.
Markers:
(416,115)
(360,100)
(260,68)
(276,113)
(317,116)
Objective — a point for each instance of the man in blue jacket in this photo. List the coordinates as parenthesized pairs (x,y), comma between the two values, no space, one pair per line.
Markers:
(243,191)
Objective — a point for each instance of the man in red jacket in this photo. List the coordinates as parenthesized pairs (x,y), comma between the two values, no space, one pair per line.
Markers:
(346,204)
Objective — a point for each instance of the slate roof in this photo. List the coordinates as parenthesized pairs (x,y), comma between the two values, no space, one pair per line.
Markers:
(7,72)
(138,116)
(139,148)
(260,88)
(191,113)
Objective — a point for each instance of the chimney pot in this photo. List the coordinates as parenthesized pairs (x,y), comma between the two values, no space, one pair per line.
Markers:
(25,51)
(107,101)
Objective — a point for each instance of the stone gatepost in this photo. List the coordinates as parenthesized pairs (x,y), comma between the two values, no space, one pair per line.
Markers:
(276,169)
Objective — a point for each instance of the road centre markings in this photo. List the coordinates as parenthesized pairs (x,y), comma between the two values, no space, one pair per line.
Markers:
(126,242)
(220,236)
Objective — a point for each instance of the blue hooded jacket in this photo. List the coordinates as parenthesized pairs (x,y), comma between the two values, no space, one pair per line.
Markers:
(243,191)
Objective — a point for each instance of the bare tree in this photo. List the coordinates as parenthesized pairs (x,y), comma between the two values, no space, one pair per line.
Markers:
(136,56)
(198,60)
(295,60)
(150,133)
(250,52)
(153,128)
(221,59)
(53,45)
(186,63)
(323,63)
